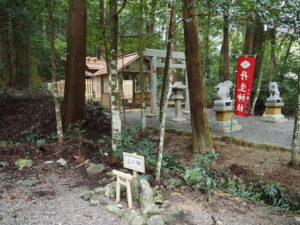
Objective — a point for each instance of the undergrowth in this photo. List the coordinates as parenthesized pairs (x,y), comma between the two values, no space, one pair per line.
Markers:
(202,176)
(133,141)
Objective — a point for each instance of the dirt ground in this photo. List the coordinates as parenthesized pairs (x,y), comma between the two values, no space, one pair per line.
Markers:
(37,116)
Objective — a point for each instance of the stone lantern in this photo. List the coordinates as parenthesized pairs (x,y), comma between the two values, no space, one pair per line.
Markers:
(177,96)
(273,105)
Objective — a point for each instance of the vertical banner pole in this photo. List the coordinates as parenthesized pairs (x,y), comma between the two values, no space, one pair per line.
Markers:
(233,95)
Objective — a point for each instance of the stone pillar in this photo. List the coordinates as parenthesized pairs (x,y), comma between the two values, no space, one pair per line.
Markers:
(273,105)
(187,97)
(177,89)
(153,110)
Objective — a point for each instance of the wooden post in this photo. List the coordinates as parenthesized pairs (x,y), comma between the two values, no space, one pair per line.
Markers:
(129,197)
(118,190)
(153,86)
(187,97)
(123,179)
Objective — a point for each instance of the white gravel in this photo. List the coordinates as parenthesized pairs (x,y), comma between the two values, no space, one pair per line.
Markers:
(253,129)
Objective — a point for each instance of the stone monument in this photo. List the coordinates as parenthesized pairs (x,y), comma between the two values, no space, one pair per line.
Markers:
(273,105)
(223,107)
(177,95)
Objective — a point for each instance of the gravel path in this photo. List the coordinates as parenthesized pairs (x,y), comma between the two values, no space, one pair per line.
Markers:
(253,129)
(60,205)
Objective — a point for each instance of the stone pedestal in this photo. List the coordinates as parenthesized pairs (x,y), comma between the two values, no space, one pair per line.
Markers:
(272,113)
(177,89)
(223,109)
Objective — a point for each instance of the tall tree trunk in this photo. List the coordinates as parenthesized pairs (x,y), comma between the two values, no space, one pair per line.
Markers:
(206,41)
(226,73)
(74,97)
(5,74)
(12,50)
(200,130)
(51,37)
(141,64)
(249,37)
(272,64)
(166,91)
(170,46)
(101,52)
(258,49)
(115,99)
(151,25)
(296,134)
(287,54)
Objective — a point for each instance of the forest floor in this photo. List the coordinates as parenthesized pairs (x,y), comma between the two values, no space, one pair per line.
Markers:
(47,194)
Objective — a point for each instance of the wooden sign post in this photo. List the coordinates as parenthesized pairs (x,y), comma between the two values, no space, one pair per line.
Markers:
(134,162)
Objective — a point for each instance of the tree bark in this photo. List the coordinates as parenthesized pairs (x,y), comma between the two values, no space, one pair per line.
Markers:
(151,25)
(101,52)
(141,64)
(115,99)
(296,134)
(200,130)
(249,38)
(166,92)
(226,73)
(170,46)
(258,49)
(74,97)
(272,64)
(206,42)
(51,37)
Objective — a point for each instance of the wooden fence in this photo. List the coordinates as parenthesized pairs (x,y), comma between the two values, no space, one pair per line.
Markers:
(89,94)
(128,89)
(61,88)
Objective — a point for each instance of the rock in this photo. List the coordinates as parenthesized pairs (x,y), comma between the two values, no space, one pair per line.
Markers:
(95,169)
(120,206)
(115,210)
(218,222)
(149,209)
(136,189)
(62,162)
(99,190)
(87,195)
(297,218)
(147,206)
(110,189)
(97,200)
(21,163)
(139,220)
(166,204)
(130,215)
(158,199)
(174,216)
(155,220)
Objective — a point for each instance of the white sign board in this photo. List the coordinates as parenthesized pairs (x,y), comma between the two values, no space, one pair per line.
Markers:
(134,162)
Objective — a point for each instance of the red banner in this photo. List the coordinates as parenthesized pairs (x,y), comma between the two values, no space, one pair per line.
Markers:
(244,78)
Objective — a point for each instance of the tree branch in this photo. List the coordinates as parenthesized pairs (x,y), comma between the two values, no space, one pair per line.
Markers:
(218,14)
(122,7)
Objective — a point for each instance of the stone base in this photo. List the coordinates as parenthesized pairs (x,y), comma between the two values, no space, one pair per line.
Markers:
(273,118)
(186,112)
(178,120)
(225,126)
(227,102)
(274,100)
